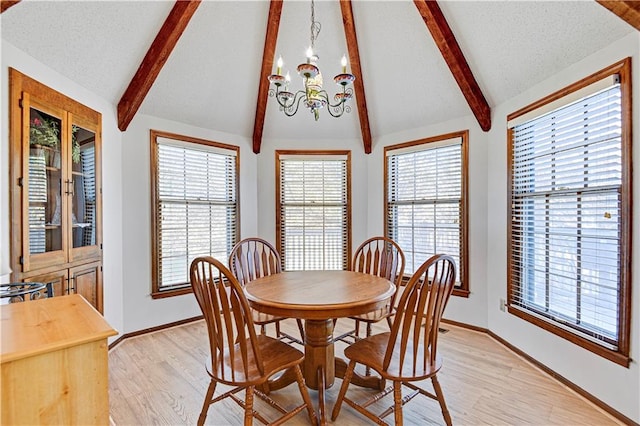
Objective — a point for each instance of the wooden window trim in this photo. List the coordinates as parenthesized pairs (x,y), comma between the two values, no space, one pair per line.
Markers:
(463,289)
(621,355)
(279,153)
(156,293)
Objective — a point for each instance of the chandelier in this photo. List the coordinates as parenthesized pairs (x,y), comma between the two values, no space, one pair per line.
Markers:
(313,96)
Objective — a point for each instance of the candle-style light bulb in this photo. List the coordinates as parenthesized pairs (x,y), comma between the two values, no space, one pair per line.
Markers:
(279,70)
(343,62)
(287,80)
(309,54)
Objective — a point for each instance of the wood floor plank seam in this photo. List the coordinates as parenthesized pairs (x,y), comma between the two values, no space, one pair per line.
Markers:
(159,378)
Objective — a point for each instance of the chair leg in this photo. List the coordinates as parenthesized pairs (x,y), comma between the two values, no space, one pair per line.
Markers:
(367,370)
(278,334)
(357,330)
(207,402)
(305,396)
(397,402)
(301,328)
(443,405)
(263,329)
(248,406)
(343,390)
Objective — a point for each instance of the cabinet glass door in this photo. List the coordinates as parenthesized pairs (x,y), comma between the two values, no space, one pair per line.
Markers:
(44,183)
(83,180)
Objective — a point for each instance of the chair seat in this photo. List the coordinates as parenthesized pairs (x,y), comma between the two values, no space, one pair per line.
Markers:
(260,318)
(370,352)
(276,356)
(375,316)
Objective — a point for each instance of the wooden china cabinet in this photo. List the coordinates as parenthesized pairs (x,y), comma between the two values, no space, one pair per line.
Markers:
(55,190)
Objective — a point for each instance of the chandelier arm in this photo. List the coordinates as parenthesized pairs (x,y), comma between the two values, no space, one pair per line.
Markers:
(284,104)
(289,111)
(335,105)
(341,107)
(342,101)
(338,108)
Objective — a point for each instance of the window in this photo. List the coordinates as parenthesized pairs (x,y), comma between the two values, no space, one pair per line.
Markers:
(426,201)
(570,210)
(195,206)
(313,209)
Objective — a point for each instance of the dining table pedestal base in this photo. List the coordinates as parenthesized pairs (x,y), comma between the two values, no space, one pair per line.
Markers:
(318,353)
(319,356)
(321,367)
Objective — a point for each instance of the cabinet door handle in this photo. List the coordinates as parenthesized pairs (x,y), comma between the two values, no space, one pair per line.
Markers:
(69,190)
(70,287)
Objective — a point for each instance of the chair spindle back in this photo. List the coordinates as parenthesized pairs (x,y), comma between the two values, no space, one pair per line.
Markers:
(380,256)
(414,333)
(253,258)
(228,318)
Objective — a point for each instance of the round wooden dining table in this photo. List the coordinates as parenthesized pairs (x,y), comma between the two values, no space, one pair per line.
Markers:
(318,297)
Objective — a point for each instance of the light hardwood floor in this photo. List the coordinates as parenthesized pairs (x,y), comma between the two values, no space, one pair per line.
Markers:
(160,379)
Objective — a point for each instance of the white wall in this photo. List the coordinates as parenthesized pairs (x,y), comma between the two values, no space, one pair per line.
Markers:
(111,176)
(615,385)
(471,310)
(140,310)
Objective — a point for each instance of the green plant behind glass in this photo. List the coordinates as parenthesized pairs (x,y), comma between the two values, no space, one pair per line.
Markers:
(47,133)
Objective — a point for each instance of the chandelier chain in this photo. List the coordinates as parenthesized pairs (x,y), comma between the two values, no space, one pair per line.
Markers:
(315,26)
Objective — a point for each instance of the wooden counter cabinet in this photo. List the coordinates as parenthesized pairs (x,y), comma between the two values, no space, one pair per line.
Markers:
(54,363)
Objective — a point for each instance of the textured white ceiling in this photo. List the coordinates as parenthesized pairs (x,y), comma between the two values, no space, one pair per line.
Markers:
(211,78)
(97,44)
(512,45)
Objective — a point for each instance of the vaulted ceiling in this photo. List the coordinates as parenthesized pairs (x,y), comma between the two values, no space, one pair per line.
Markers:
(416,63)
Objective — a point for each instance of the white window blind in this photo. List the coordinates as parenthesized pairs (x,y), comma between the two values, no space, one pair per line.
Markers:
(38,178)
(424,201)
(566,216)
(314,212)
(88,161)
(197,207)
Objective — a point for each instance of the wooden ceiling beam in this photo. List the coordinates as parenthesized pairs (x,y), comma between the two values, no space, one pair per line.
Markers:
(453,56)
(6,4)
(354,60)
(627,10)
(154,60)
(270,39)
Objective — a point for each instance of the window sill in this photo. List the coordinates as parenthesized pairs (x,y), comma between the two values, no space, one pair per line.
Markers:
(457,291)
(610,354)
(461,292)
(171,293)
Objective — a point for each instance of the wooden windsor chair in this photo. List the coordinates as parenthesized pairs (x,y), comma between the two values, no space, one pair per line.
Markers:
(383,257)
(239,357)
(408,353)
(254,258)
